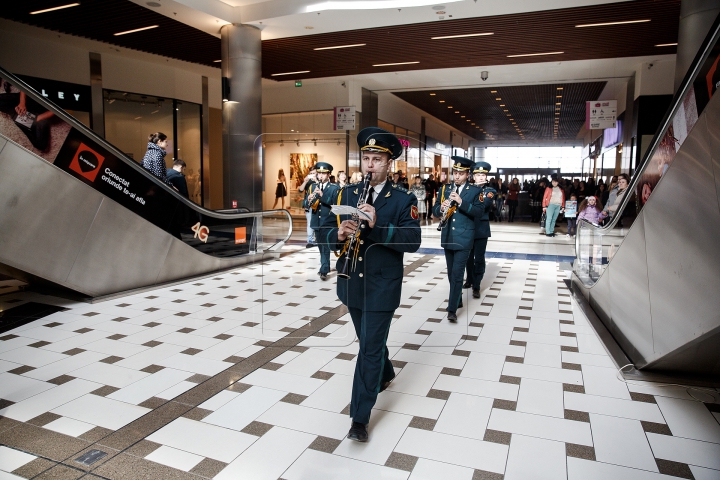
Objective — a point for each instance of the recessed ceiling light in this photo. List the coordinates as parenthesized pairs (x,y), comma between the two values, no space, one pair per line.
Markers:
(504,110)
(397,63)
(666,44)
(54,8)
(217,61)
(557,113)
(626,22)
(558,96)
(442,101)
(498,98)
(450,106)
(462,36)
(493,91)
(558,103)
(507,114)
(559,88)
(535,54)
(463,116)
(502,104)
(136,30)
(341,46)
(289,73)
(432,94)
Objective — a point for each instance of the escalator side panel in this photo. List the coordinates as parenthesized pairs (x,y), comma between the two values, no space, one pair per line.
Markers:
(36,236)
(713,118)
(120,252)
(184,261)
(683,226)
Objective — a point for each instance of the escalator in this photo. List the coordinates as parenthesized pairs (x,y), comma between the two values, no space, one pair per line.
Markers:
(77,213)
(655,287)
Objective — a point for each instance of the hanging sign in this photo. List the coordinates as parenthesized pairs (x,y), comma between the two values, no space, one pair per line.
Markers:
(600,114)
(344,118)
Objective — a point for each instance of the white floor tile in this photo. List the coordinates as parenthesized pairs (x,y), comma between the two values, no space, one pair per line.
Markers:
(465,416)
(431,470)
(11,459)
(614,407)
(430,358)
(701,473)
(176,390)
(484,366)
(473,386)
(172,457)
(604,382)
(341,367)
(114,347)
(543,354)
(384,432)
(415,379)
(621,441)
(465,452)
(69,426)
(689,419)
(101,411)
(549,374)
(496,333)
(309,420)
(307,363)
(414,405)
(17,387)
(546,339)
(194,364)
(493,348)
(62,367)
(323,466)
(683,450)
(149,386)
(540,426)
(244,409)
(217,401)
(283,381)
(535,458)
(590,344)
(588,359)
(203,439)
(268,457)
(49,399)
(540,397)
(579,469)
(34,357)
(227,348)
(108,374)
(334,395)
(150,356)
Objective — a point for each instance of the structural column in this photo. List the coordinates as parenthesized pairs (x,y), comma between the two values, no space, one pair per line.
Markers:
(242,116)
(696,18)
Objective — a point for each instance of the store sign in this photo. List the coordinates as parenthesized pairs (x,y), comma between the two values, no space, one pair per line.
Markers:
(601,114)
(344,118)
(68,96)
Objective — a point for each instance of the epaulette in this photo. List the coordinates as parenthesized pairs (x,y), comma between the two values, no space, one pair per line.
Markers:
(401,189)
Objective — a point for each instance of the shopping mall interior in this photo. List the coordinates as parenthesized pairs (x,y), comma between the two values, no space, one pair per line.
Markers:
(193,330)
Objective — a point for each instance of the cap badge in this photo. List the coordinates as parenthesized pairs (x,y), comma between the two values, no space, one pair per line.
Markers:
(371,141)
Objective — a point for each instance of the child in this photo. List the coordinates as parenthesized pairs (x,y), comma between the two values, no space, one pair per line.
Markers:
(570,214)
(591,210)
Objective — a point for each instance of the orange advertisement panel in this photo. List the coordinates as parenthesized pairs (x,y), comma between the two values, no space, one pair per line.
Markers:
(240,235)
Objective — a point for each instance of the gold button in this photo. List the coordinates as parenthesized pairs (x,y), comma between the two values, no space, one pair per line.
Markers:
(453,228)
(361,274)
(362,242)
(362,226)
(360,259)
(454,219)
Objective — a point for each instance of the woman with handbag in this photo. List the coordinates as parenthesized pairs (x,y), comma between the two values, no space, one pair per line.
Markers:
(553,202)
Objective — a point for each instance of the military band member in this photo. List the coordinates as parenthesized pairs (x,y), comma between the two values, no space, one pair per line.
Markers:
(372,291)
(305,190)
(317,201)
(458,202)
(476,261)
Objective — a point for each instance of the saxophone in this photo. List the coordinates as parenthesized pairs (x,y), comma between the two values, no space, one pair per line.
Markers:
(351,249)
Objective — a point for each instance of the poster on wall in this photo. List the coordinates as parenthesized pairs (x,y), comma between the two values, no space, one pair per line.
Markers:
(300,164)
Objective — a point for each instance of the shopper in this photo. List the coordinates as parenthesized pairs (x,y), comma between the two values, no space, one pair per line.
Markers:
(305,189)
(356,177)
(590,210)
(341,178)
(553,202)
(512,198)
(570,215)
(502,191)
(431,187)
(418,189)
(154,159)
(536,197)
(616,196)
(176,177)
(280,189)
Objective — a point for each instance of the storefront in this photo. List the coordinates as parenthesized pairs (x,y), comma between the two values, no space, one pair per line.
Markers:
(439,161)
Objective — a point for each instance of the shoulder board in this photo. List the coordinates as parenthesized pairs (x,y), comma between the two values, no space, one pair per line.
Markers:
(401,189)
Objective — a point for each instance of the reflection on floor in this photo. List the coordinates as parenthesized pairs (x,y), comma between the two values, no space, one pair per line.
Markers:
(247,374)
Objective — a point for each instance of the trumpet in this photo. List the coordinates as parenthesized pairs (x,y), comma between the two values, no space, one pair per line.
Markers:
(446,216)
(350,249)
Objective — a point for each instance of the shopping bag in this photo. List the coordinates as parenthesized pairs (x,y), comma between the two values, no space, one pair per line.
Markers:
(542,220)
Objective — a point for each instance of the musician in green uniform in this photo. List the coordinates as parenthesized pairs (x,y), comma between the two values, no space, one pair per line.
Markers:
(371,284)
(458,204)
(317,202)
(475,266)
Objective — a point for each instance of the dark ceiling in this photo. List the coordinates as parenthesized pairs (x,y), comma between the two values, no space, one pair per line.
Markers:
(489,113)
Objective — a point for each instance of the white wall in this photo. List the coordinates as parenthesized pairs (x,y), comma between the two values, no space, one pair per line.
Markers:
(323,94)
(658,80)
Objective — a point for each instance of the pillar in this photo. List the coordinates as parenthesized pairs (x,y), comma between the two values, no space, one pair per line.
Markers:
(696,18)
(242,116)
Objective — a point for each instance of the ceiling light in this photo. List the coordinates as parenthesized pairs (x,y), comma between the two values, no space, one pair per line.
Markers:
(450,106)
(217,61)
(136,30)
(370,4)
(473,124)
(442,101)
(493,91)
(666,44)
(289,73)
(467,120)
(342,46)
(502,104)
(626,22)
(504,110)
(432,94)
(559,88)
(559,96)
(498,98)
(535,54)
(462,36)
(54,8)
(557,113)
(397,63)
(138,118)
(558,103)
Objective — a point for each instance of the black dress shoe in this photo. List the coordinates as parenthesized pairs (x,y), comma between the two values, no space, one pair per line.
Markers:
(467,284)
(460,305)
(452,317)
(323,276)
(385,385)
(309,245)
(358,432)
(476,293)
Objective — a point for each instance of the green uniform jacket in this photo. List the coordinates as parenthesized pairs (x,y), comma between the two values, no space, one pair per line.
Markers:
(323,209)
(482,222)
(459,232)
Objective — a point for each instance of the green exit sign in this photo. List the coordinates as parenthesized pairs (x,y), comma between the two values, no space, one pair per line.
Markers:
(298,83)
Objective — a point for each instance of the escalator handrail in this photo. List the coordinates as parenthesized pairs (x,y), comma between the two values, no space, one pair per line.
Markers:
(59,112)
(703,53)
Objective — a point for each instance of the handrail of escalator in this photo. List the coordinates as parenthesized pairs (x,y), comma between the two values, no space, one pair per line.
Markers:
(703,53)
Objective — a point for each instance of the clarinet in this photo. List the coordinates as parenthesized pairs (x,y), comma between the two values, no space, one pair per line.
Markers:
(350,248)
(446,216)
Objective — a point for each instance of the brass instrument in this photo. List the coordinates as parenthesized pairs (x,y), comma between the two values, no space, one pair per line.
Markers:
(446,216)
(351,248)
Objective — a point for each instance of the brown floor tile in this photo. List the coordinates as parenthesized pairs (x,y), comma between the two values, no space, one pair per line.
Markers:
(105,391)
(483,475)
(496,436)
(676,469)
(60,472)
(580,451)
(152,368)
(8,423)
(514,359)
(44,419)
(659,428)
(423,423)
(263,343)
(143,448)
(117,336)
(198,378)
(152,403)
(642,397)
(208,468)
(577,416)
(152,343)
(125,466)
(34,468)
(461,353)
(191,351)
(300,349)
(569,349)
(112,359)
(272,366)
(398,363)
(322,375)
(73,351)
(42,442)
(520,329)
(411,346)
(21,370)
(568,334)
(439,394)
(504,404)
(61,379)
(152,324)
(294,398)
(510,379)
(257,428)
(325,444)
(8,337)
(571,366)
(346,410)
(39,344)
(223,336)
(95,434)
(214,319)
(401,461)
(238,387)
(518,343)
(234,359)
(455,372)
(568,387)
(197,413)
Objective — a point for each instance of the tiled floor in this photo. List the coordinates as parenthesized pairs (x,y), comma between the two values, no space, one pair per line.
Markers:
(247,375)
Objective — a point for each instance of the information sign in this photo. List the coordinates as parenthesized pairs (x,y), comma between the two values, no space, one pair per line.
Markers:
(601,114)
(344,118)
